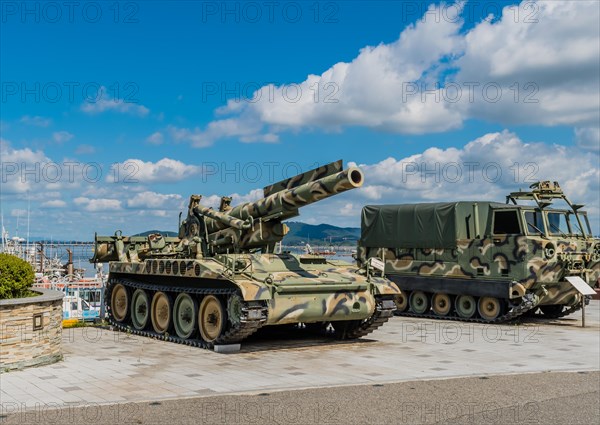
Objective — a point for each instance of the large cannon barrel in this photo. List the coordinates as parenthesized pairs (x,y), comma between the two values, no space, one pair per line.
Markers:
(224,218)
(252,225)
(285,203)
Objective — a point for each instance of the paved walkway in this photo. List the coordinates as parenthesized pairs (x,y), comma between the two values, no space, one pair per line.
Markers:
(557,398)
(102,366)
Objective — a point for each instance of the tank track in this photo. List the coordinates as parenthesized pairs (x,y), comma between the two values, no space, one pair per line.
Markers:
(572,309)
(529,302)
(234,334)
(384,310)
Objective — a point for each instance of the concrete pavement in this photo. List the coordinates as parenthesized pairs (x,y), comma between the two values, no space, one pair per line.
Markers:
(105,367)
(557,398)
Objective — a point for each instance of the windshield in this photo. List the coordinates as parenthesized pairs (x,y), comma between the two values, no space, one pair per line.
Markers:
(586,223)
(557,223)
(535,224)
(575,225)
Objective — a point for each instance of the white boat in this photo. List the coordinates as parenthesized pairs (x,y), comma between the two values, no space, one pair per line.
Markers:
(75,307)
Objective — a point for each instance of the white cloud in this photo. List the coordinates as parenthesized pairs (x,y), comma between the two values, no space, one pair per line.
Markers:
(155,138)
(350,210)
(16,163)
(588,138)
(162,171)
(468,173)
(155,201)
(489,167)
(507,70)
(55,203)
(10,154)
(553,62)
(43,196)
(428,176)
(27,173)
(100,204)
(213,201)
(36,121)
(157,213)
(105,103)
(17,212)
(62,136)
(248,130)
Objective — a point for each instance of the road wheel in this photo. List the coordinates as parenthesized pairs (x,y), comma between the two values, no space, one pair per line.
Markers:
(465,306)
(119,302)
(161,312)
(419,302)
(401,302)
(441,304)
(184,315)
(489,308)
(211,318)
(140,309)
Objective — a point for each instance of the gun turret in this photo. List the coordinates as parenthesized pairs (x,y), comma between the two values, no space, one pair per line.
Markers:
(243,228)
(258,225)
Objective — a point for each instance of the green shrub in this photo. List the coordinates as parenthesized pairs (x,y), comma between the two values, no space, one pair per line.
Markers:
(16,277)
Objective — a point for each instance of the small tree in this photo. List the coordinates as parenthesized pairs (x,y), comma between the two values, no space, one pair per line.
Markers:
(16,277)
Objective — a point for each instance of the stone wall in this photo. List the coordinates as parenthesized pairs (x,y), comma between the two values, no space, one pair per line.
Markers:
(31,330)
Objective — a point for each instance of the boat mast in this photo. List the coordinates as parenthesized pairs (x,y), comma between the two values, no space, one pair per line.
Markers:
(28,210)
(18,216)
(3,231)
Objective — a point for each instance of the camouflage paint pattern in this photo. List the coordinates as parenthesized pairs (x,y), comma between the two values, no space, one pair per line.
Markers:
(295,288)
(232,248)
(309,176)
(517,259)
(287,201)
(528,263)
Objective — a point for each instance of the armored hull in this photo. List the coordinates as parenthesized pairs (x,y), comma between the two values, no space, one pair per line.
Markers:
(210,302)
(483,261)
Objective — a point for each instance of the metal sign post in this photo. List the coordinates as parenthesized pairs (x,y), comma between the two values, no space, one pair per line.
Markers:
(376,263)
(584,289)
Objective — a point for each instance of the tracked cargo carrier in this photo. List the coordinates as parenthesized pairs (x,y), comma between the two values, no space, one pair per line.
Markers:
(484,261)
(221,279)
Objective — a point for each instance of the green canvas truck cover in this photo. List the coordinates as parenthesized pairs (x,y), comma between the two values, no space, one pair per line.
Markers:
(431,225)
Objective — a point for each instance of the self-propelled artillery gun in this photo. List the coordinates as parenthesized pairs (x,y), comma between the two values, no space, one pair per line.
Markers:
(484,261)
(221,279)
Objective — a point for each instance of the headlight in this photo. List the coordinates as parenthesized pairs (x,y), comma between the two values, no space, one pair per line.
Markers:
(549,251)
(596,255)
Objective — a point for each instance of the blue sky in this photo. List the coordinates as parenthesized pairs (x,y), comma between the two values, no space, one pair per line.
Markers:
(170,73)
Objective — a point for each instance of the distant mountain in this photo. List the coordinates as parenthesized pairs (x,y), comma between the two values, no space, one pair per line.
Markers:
(162,232)
(301,233)
(320,234)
